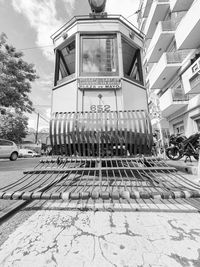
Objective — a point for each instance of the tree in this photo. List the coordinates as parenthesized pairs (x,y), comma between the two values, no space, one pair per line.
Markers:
(16,76)
(13,126)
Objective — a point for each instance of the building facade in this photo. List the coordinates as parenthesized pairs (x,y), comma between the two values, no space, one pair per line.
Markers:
(171,62)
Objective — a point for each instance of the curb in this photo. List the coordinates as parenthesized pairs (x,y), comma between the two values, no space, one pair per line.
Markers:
(10,210)
(186,168)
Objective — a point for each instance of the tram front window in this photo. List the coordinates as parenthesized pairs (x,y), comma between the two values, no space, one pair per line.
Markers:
(65,62)
(99,56)
(131,62)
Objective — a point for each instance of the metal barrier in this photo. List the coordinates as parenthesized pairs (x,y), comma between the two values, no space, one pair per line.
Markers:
(112,133)
(101,178)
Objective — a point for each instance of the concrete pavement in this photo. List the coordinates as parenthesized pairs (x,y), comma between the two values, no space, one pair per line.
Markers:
(58,235)
(186,167)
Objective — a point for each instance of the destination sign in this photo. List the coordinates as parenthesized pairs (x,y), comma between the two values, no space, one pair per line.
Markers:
(99,83)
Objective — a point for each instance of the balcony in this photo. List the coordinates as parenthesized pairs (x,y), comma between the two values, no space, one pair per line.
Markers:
(172,100)
(191,78)
(157,13)
(161,39)
(146,7)
(164,70)
(180,5)
(141,24)
(187,33)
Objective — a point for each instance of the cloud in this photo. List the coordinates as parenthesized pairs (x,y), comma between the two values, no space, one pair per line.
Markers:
(69,7)
(43,18)
(124,8)
(45,82)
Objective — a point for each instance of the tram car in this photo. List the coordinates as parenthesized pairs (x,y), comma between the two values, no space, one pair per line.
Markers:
(99,101)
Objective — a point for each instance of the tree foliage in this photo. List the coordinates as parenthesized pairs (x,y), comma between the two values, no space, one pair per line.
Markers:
(13,126)
(16,76)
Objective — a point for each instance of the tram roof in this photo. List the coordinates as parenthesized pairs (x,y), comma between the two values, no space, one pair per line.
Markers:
(103,18)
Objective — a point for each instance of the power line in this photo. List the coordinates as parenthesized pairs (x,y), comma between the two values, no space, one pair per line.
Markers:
(35,47)
(37,112)
(135,13)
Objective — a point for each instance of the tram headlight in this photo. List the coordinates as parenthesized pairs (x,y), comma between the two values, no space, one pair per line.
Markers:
(97,6)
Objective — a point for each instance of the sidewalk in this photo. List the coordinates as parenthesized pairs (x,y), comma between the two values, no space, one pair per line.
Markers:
(181,165)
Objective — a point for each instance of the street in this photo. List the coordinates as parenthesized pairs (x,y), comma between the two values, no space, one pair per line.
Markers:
(11,171)
(19,165)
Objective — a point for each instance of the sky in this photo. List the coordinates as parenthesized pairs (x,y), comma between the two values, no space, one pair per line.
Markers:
(29,24)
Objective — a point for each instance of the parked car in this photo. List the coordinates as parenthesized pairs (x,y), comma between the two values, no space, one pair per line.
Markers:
(27,153)
(8,149)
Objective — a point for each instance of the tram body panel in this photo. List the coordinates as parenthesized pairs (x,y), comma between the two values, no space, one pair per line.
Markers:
(99,100)
(134,97)
(100,27)
(64,98)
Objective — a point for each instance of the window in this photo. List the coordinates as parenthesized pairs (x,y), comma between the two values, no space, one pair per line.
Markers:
(198,124)
(131,62)
(5,143)
(99,55)
(65,62)
(179,128)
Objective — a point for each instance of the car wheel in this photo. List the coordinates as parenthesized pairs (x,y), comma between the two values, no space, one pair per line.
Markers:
(13,156)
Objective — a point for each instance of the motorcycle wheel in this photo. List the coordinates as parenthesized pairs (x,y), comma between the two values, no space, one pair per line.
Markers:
(173,153)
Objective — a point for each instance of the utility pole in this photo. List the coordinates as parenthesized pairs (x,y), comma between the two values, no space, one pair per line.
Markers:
(36,135)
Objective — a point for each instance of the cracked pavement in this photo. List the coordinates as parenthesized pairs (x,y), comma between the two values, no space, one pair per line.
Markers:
(71,237)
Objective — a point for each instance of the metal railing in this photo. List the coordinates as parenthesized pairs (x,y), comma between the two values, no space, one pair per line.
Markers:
(179,95)
(168,25)
(173,57)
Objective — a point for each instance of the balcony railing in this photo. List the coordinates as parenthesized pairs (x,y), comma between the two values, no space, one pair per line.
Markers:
(180,5)
(173,100)
(164,70)
(168,25)
(173,57)
(161,39)
(179,96)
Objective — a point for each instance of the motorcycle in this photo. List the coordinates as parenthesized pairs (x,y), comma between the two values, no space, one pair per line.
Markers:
(181,146)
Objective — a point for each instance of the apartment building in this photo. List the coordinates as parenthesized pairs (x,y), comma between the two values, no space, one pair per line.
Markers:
(171,62)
